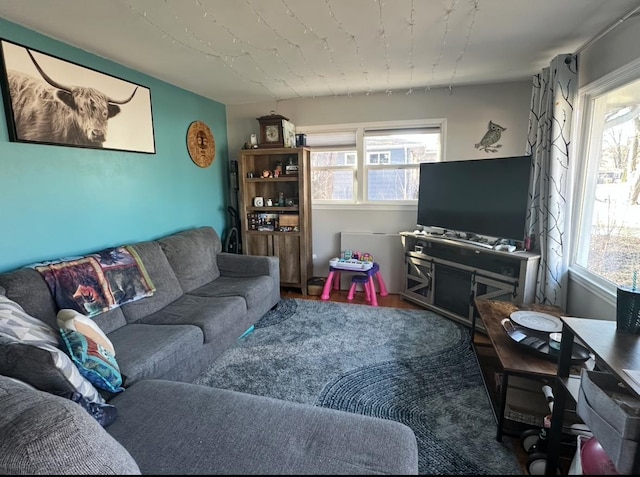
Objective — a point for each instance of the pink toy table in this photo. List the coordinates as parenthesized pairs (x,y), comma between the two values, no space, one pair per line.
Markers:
(333,281)
(362,280)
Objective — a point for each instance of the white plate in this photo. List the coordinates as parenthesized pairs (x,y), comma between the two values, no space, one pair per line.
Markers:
(534,320)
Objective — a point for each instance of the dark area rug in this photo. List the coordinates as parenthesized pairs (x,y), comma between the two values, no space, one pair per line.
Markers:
(411,366)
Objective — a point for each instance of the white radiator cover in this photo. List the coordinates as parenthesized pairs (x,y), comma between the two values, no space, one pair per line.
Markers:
(387,251)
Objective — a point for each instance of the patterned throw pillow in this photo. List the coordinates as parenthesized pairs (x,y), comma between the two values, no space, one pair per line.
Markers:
(72,320)
(17,325)
(29,352)
(45,367)
(92,356)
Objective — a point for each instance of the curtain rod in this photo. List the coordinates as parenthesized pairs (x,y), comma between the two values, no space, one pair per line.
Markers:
(608,29)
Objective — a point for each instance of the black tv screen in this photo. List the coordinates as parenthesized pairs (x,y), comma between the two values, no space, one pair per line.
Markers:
(484,196)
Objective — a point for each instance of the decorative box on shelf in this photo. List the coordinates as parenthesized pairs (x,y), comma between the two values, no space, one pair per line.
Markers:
(267,222)
(289,222)
(291,168)
(613,415)
(252,221)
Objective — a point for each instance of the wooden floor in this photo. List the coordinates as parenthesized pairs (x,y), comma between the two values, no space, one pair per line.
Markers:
(340,296)
(392,301)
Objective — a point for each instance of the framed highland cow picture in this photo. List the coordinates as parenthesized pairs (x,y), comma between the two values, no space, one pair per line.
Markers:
(52,101)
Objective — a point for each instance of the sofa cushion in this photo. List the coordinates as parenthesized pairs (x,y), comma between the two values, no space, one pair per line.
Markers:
(45,434)
(255,290)
(221,319)
(242,434)
(47,368)
(27,287)
(192,255)
(148,351)
(110,320)
(167,285)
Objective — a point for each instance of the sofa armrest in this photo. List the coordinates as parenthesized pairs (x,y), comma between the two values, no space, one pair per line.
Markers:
(234,265)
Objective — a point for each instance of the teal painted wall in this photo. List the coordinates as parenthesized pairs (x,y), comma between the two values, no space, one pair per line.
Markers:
(60,201)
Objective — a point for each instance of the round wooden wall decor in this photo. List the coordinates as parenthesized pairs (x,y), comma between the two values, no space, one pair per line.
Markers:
(200,143)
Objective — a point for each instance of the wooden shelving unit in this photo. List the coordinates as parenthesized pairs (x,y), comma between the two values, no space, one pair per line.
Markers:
(282,229)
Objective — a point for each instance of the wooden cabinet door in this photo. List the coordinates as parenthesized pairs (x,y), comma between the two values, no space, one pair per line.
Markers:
(287,249)
(259,244)
(284,246)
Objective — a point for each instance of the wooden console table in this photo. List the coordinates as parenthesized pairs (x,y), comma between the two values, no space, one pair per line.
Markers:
(513,360)
(441,274)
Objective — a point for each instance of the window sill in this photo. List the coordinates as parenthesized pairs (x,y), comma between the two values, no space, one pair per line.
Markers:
(368,206)
(600,288)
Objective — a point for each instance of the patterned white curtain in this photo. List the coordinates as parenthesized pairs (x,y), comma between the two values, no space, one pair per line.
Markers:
(552,107)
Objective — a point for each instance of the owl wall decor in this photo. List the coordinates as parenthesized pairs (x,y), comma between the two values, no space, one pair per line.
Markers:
(490,138)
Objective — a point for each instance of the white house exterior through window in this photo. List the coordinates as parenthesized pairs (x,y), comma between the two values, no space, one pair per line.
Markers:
(371,163)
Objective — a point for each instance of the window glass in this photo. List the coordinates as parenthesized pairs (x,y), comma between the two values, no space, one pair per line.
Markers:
(608,238)
(332,159)
(393,184)
(350,158)
(367,165)
(398,153)
(379,157)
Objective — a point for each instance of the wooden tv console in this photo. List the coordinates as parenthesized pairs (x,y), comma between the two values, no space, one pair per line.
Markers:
(446,275)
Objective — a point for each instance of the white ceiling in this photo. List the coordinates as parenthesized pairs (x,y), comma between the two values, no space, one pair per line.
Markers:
(246,51)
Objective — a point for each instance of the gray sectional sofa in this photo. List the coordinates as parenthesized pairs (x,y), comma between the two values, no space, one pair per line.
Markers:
(204,300)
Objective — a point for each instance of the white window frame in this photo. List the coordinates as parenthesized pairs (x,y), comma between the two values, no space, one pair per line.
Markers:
(361,168)
(583,139)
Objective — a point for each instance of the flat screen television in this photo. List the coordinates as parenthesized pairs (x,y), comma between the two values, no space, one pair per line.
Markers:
(486,197)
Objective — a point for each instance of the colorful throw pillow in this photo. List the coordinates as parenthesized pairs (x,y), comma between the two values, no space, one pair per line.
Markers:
(90,352)
(72,320)
(29,352)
